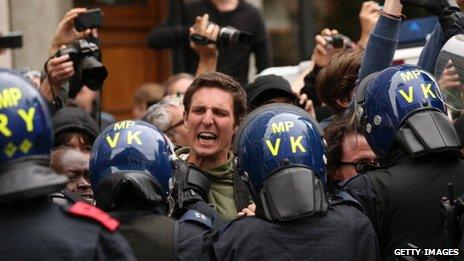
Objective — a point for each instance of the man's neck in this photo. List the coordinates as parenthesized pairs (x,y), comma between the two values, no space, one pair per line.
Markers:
(225,5)
(207,163)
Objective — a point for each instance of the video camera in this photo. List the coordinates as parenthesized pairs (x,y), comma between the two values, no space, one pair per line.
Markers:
(227,35)
(88,69)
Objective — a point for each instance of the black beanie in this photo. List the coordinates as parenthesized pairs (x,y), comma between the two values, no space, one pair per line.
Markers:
(267,87)
(73,118)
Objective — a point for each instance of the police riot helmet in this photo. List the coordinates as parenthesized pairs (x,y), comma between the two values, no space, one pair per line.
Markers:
(26,138)
(25,124)
(127,147)
(280,142)
(403,104)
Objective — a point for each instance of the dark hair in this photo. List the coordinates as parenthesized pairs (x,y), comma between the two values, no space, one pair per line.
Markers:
(338,79)
(223,82)
(65,136)
(334,135)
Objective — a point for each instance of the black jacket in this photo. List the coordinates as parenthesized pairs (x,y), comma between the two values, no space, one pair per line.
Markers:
(344,233)
(138,202)
(39,230)
(403,200)
(32,228)
(158,237)
(232,60)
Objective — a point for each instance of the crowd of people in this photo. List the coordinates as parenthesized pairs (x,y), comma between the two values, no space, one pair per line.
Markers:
(359,160)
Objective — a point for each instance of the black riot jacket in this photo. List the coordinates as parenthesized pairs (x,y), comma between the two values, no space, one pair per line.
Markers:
(34,228)
(403,199)
(344,233)
(38,229)
(137,201)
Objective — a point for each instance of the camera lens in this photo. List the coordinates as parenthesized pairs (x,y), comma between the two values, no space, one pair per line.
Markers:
(92,73)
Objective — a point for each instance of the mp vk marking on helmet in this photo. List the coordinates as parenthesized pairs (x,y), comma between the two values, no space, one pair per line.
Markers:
(425,88)
(295,142)
(131,136)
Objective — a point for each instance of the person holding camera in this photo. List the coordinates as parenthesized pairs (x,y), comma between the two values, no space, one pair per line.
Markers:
(234,45)
(207,53)
(60,69)
(75,60)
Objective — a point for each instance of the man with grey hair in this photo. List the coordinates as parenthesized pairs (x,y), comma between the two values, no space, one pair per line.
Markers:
(166,115)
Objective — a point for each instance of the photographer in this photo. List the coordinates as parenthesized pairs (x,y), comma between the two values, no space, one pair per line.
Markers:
(232,60)
(75,66)
(60,69)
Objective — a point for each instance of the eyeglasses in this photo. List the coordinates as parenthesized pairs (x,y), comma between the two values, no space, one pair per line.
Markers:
(174,126)
(361,167)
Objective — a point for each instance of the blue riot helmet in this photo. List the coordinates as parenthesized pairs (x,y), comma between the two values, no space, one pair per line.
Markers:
(130,155)
(26,138)
(25,123)
(403,105)
(280,154)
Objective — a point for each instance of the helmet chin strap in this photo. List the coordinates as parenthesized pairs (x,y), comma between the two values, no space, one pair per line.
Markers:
(308,197)
(427,132)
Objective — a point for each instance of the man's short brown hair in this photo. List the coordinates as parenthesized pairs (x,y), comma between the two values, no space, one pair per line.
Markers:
(338,79)
(223,82)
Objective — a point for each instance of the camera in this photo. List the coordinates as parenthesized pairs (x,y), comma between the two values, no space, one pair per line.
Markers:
(227,35)
(88,69)
(338,41)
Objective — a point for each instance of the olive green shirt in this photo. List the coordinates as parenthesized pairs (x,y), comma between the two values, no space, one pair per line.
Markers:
(221,193)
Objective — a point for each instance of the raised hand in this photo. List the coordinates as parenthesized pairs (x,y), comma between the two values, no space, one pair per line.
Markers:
(65,32)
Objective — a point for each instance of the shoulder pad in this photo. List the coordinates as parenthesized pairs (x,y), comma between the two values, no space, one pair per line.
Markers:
(344,197)
(196,217)
(82,209)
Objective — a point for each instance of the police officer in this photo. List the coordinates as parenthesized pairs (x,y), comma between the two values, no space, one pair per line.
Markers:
(130,170)
(280,156)
(403,117)
(31,227)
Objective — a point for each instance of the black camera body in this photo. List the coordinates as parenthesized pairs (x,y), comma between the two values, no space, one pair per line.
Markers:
(88,69)
(227,36)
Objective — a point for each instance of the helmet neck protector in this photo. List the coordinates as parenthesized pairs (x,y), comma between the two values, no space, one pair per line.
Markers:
(308,197)
(427,132)
(129,190)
